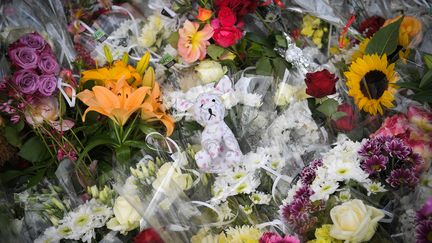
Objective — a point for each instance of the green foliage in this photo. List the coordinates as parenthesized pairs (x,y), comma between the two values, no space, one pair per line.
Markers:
(34,150)
(385,41)
(215,51)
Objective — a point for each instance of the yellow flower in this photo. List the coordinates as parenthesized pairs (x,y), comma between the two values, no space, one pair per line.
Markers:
(322,235)
(312,28)
(118,103)
(372,83)
(361,50)
(108,76)
(243,234)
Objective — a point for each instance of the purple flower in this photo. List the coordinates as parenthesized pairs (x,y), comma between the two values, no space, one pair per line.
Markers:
(34,41)
(24,57)
(26,81)
(415,159)
(48,64)
(371,147)
(424,232)
(308,174)
(270,237)
(397,148)
(304,193)
(374,164)
(15,119)
(47,84)
(402,177)
(426,210)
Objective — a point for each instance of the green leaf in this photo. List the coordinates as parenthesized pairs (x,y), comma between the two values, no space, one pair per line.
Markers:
(428,60)
(34,150)
(145,128)
(135,144)
(94,142)
(263,66)
(258,39)
(12,136)
(123,153)
(328,107)
(281,41)
(173,39)
(409,85)
(279,66)
(19,126)
(108,54)
(34,180)
(215,51)
(424,96)
(385,40)
(426,80)
(338,115)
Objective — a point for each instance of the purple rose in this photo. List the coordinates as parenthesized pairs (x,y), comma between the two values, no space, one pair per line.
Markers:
(34,41)
(26,81)
(48,64)
(24,57)
(47,84)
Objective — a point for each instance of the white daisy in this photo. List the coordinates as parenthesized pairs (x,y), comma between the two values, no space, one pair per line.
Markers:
(374,187)
(260,198)
(323,189)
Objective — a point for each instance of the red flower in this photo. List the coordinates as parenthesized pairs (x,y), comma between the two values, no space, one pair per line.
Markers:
(148,236)
(371,25)
(348,122)
(321,83)
(240,7)
(225,36)
(226,17)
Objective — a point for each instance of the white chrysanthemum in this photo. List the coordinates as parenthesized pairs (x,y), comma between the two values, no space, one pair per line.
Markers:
(374,187)
(344,195)
(341,171)
(247,209)
(260,198)
(225,212)
(323,189)
(247,185)
(252,160)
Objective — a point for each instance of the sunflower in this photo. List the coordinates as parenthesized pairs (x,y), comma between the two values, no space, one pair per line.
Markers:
(372,83)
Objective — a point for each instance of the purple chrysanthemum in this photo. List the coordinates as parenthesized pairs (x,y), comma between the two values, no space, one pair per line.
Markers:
(374,164)
(304,193)
(424,232)
(396,148)
(316,163)
(370,148)
(415,159)
(425,211)
(308,174)
(402,177)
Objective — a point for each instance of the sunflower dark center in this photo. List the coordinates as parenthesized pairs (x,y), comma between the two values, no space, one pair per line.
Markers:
(374,84)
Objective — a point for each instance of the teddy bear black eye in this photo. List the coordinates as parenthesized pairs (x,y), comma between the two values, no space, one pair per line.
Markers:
(213,100)
(202,105)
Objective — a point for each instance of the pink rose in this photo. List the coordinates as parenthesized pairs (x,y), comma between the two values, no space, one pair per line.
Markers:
(393,126)
(225,36)
(421,118)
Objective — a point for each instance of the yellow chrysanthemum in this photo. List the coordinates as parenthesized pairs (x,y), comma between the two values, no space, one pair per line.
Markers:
(361,50)
(372,83)
(322,235)
(243,234)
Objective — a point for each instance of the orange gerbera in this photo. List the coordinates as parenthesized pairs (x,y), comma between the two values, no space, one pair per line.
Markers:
(118,103)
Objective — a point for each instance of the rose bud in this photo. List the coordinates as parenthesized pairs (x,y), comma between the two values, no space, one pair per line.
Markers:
(348,122)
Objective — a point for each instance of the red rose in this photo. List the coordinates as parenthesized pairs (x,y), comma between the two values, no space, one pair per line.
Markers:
(148,236)
(371,25)
(226,17)
(321,83)
(348,122)
(240,7)
(225,36)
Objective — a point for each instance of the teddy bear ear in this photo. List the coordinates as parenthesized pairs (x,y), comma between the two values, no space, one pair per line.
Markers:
(224,86)
(183,105)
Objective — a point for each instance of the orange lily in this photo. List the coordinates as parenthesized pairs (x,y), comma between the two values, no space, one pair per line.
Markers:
(152,109)
(108,76)
(118,103)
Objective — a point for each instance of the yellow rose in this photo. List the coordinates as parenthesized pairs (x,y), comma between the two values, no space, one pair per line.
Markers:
(210,71)
(354,221)
(126,217)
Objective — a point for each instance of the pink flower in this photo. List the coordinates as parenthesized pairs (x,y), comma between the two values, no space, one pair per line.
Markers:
(421,118)
(270,237)
(393,126)
(192,44)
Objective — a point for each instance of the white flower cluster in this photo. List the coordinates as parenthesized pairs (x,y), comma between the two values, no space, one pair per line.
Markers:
(153,32)
(79,224)
(341,164)
(296,127)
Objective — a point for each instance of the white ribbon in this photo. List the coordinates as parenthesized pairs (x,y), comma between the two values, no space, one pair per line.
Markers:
(70,100)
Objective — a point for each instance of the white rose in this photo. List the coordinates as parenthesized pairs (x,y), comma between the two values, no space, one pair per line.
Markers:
(169,179)
(210,71)
(126,217)
(353,221)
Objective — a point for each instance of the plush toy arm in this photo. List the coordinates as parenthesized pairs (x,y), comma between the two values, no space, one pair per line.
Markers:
(230,140)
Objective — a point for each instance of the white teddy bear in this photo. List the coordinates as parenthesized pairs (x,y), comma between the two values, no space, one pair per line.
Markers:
(220,148)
